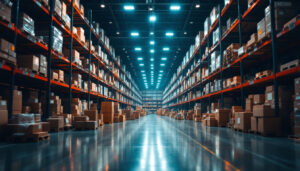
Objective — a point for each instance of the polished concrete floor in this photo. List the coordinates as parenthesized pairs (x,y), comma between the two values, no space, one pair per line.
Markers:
(153,143)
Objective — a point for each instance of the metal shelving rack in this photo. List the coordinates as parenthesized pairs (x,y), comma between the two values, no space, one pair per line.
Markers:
(152,100)
(130,92)
(236,34)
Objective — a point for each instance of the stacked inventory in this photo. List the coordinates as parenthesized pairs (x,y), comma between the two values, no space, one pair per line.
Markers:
(242,55)
(152,100)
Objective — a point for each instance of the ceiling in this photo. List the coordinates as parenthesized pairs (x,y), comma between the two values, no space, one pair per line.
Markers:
(119,23)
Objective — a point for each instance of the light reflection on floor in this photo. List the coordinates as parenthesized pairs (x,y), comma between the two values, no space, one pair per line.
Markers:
(153,143)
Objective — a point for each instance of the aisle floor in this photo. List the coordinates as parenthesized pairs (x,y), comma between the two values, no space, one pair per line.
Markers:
(153,143)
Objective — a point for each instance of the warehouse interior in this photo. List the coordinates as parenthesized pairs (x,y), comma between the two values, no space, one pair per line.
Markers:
(149,85)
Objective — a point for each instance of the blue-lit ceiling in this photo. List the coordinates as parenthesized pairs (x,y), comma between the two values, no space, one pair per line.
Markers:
(151,36)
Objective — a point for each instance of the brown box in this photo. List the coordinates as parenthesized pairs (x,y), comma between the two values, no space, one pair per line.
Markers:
(60,74)
(56,123)
(91,125)
(249,105)
(5,12)
(17,102)
(254,123)
(212,122)
(259,99)
(54,76)
(107,108)
(3,105)
(269,126)
(92,114)
(236,109)
(31,62)
(297,86)
(263,111)
(222,116)
(81,118)
(243,121)
(45,126)
(3,117)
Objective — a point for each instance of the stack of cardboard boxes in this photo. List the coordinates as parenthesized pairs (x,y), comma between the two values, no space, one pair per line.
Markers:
(107,109)
(56,107)
(77,107)
(3,117)
(7,51)
(30,62)
(5,10)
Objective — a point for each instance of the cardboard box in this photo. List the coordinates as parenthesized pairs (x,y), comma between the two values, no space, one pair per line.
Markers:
(263,111)
(45,126)
(249,104)
(259,99)
(17,102)
(223,116)
(81,118)
(92,114)
(261,29)
(297,86)
(54,76)
(56,123)
(91,125)
(236,109)
(3,105)
(254,124)
(31,62)
(5,12)
(243,121)
(269,126)
(3,117)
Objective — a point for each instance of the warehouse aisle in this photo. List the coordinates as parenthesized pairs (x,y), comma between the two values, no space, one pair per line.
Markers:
(153,143)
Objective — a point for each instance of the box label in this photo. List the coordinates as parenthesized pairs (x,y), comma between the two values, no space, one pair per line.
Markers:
(3,103)
(238,120)
(269,96)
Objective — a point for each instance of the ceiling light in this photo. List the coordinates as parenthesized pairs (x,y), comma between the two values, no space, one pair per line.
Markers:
(152,42)
(191,22)
(137,49)
(141,64)
(144,75)
(139,58)
(169,34)
(102,5)
(162,64)
(151,59)
(129,7)
(150,9)
(161,71)
(197,5)
(118,33)
(143,71)
(166,49)
(185,32)
(152,68)
(134,34)
(152,50)
(152,65)
(110,22)
(152,18)
(164,59)
(151,33)
(175,7)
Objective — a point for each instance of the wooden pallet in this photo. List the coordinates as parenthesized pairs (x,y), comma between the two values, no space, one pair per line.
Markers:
(5,61)
(251,47)
(40,136)
(68,127)
(35,137)
(262,40)
(240,130)
(4,19)
(289,65)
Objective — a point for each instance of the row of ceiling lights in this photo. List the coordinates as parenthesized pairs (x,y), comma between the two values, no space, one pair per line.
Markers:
(131,7)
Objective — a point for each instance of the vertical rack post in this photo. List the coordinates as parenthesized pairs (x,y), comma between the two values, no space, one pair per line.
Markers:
(221,56)
(90,42)
(274,57)
(49,59)
(241,63)
(12,81)
(71,58)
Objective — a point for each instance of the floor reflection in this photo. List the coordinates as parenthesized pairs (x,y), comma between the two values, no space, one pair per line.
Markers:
(153,143)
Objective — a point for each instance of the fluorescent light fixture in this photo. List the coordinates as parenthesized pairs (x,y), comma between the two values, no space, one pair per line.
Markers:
(151,33)
(185,32)
(129,7)
(143,71)
(134,34)
(139,58)
(151,72)
(144,78)
(164,59)
(197,5)
(152,18)
(151,59)
(166,49)
(152,42)
(117,33)
(162,64)
(152,65)
(150,9)
(152,50)
(169,34)
(137,49)
(144,75)
(175,7)
(159,78)
(141,64)
(161,71)
(102,5)
(152,68)
(159,75)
